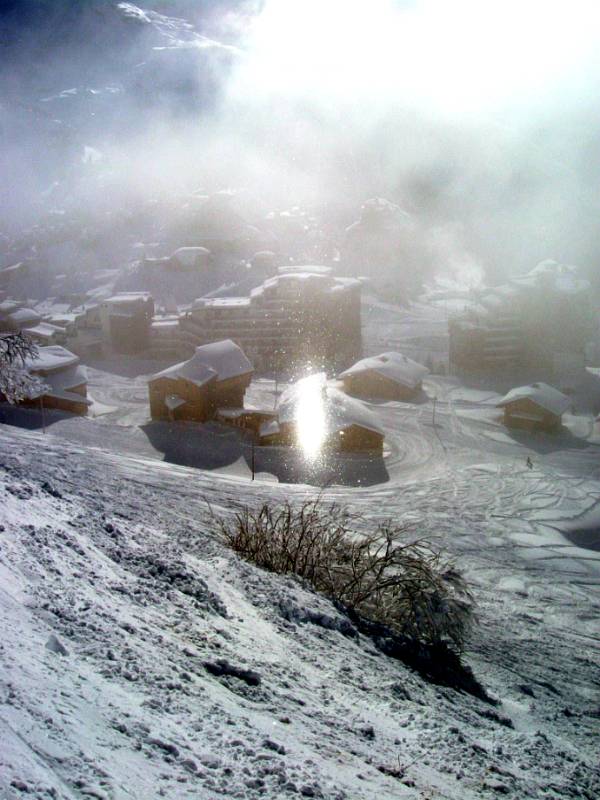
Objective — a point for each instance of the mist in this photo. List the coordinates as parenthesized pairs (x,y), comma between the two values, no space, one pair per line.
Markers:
(480,120)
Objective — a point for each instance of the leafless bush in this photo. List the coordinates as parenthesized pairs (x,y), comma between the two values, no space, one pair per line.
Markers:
(407,586)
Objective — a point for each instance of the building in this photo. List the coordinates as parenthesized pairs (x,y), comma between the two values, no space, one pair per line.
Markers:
(541,321)
(215,377)
(64,377)
(301,316)
(389,376)
(317,417)
(191,258)
(126,319)
(15,279)
(247,417)
(20,318)
(44,333)
(166,337)
(535,407)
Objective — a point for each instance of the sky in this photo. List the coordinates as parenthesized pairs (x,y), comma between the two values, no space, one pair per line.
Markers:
(480,118)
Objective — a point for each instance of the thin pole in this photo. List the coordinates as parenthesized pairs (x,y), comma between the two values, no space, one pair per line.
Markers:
(252,459)
(43,414)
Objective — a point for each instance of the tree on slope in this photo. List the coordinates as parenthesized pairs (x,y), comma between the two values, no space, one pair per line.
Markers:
(16,383)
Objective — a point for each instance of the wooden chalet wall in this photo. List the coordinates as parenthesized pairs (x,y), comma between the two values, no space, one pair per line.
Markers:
(201,402)
(372,384)
(534,416)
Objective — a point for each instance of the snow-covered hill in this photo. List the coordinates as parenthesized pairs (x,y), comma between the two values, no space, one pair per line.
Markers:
(141,658)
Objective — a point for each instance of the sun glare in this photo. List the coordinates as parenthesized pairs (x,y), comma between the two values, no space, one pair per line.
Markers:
(310,415)
(459,56)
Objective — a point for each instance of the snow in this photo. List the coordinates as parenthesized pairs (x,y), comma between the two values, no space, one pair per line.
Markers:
(110,545)
(24,316)
(546,397)
(46,330)
(221,302)
(173,401)
(128,299)
(339,410)
(51,358)
(188,256)
(221,360)
(393,366)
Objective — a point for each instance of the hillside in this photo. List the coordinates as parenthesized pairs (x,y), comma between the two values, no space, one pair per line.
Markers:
(115,555)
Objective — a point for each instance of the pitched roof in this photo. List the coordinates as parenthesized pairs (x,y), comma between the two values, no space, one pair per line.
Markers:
(340,410)
(51,359)
(547,397)
(188,256)
(218,360)
(22,316)
(393,366)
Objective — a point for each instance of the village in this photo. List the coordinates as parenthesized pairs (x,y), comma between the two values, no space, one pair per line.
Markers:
(283,357)
(299,400)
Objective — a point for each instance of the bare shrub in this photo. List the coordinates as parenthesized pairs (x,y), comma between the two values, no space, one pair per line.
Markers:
(407,586)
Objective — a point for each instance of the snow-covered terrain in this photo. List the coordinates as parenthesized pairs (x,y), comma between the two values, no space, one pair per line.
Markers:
(141,658)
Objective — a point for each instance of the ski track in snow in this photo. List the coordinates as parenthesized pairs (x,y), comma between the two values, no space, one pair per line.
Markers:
(113,551)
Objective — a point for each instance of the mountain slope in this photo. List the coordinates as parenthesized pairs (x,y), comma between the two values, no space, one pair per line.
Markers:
(116,558)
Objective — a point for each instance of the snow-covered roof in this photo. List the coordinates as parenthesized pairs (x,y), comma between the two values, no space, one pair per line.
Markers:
(46,330)
(193,370)
(51,358)
(128,300)
(562,278)
(269,428)
(340,412)
(221,302)
(51,306)
(310,269)
(547,397)
(65,379)
(8,306)
(218,360)
(393,366)
(22,316)
(170,322)
(188,256)
(62,379)
(173,401)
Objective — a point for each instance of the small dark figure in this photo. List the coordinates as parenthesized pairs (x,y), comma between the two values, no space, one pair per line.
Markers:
(529,463)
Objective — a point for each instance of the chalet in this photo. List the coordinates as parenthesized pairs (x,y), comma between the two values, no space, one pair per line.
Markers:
(248,418)
(215,377)
(45,333)
(317,418)
(21,318)
(126,319)
(64,377)
(391,376)
(535,407)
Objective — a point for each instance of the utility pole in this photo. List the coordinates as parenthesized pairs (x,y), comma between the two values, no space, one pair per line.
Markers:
(252,459)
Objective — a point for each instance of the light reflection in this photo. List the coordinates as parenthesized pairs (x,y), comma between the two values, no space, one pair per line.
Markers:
(310,415)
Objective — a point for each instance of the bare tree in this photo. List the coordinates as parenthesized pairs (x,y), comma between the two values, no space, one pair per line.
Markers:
(16,383)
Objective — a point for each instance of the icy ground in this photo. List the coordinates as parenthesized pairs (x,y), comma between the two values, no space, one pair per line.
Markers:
(140,658)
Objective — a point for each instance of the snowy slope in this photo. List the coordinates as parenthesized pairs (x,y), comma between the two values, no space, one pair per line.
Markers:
(125,570)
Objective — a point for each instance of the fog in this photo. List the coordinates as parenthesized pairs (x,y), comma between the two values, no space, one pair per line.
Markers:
(479,119)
